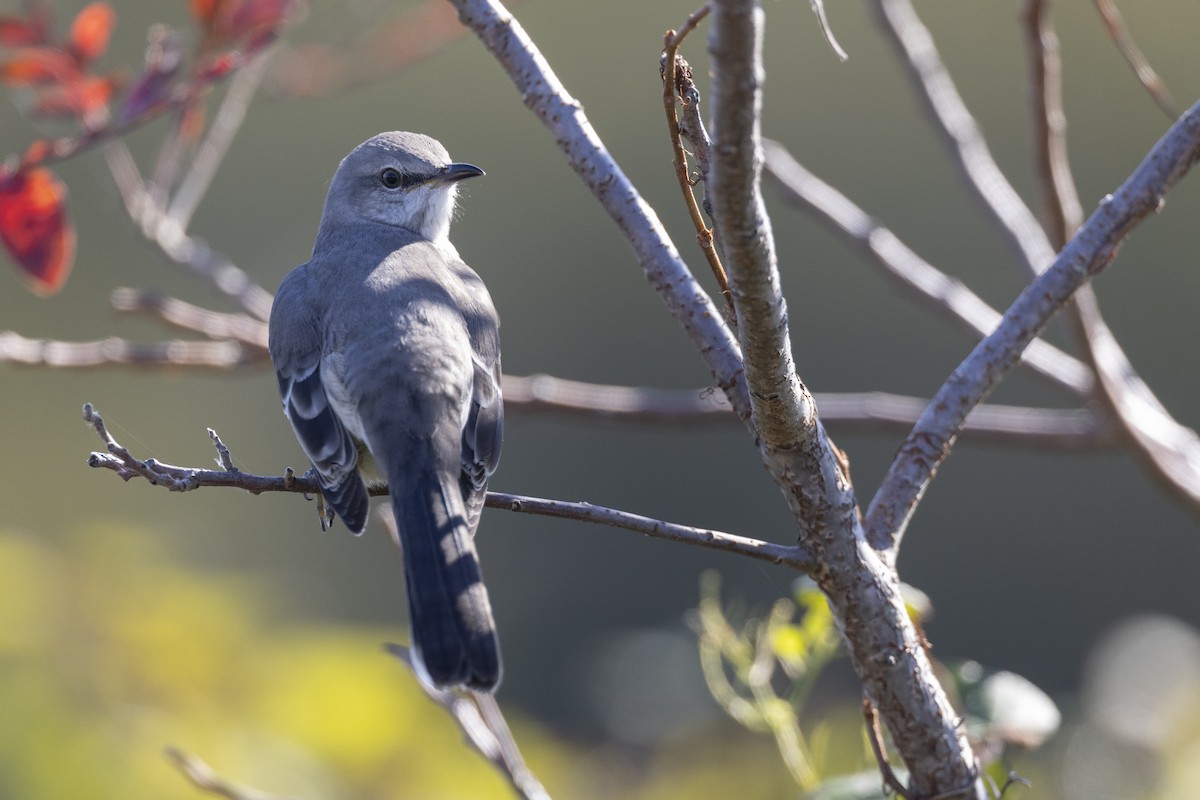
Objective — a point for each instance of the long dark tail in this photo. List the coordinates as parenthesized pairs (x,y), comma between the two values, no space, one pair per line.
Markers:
(453,634)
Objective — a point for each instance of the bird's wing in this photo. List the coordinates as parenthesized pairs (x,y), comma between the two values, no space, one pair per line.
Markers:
(296,354)
(482,436)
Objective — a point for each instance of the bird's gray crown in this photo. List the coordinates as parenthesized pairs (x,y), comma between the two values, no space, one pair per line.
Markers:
(401,179)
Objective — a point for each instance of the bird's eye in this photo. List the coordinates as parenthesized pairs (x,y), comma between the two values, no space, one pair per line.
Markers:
(391,178)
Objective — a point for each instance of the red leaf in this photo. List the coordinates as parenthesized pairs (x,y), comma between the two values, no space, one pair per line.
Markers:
(16,32)
(35,229)
(34,65)
(90,31)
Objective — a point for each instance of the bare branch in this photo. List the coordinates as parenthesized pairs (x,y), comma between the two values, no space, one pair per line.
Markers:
(818,7)
(863,591)
(195,254)
(793,556)
(677,77)
(1001,199)
(783,413)
(541,393)
(1061,209)
(224,355)
(563,115)
(184,479)
(226,123)
(996,424)
(1133,55)
(213,324)
(944,293)
(204,778)
(1170,449)
(1092,248)
(478,716)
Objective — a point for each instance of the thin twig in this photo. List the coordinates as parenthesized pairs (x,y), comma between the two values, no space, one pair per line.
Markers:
(1092,248)
(478,716)
(184,479)
(204,778)
(942,292)
(818,7)
(793,556)
(1061,209)
(875,739)
(674,71)
(1133,55)
(225,124)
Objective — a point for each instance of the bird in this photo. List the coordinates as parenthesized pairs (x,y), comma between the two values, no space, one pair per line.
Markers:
(386,346)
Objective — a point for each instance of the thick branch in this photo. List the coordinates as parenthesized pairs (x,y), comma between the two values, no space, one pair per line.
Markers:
(783,412)
(1092,248)
(563,115)
(863,591)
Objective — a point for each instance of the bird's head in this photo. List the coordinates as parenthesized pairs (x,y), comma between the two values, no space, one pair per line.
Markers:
(406,180)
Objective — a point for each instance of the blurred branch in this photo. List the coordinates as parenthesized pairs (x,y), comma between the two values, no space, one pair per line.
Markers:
(1061,209)
(1092,248)
(185,479)
(563,115)
(1171,450)
(203,777)
(942,292)
(113,351)
(1133,55)
(479,717)
(955,121)
(202,167)
(213,324)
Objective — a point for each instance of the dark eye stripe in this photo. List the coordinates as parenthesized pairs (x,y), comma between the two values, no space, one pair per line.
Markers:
(393,178)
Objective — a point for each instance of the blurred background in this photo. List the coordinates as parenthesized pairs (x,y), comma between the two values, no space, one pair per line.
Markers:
(229,625)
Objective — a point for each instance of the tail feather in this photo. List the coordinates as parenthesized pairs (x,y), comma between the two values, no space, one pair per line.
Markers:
(350,501)
(453,634)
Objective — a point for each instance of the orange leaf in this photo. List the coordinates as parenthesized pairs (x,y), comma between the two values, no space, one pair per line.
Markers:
(204,11)
(77,98)
(33,65)
(35,229)
(90,31)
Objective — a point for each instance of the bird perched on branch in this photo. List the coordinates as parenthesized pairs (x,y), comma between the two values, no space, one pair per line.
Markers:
(387,350)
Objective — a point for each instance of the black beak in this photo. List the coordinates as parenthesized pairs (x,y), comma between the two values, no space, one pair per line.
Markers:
(453,173)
